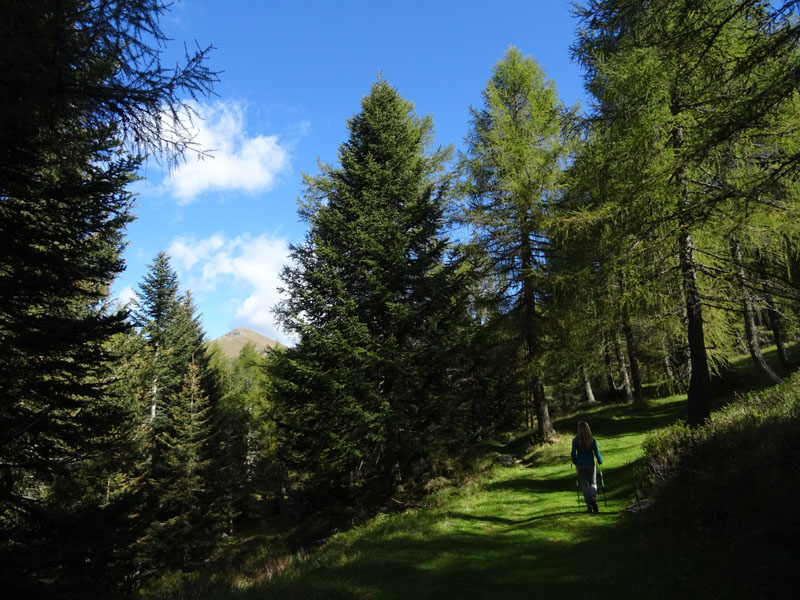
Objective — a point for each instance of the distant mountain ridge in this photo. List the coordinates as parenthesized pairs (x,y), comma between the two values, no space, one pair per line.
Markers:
(232,342)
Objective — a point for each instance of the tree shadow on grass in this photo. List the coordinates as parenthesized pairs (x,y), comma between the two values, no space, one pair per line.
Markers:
(533,486)
(511,522)
(511,562)
(616,484)
(626,419)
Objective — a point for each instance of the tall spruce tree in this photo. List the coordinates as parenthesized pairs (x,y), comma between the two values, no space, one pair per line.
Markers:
(156,300)
(364,402)
(155,307)
(515,152)
(184,499)
(80,87)
(180,524)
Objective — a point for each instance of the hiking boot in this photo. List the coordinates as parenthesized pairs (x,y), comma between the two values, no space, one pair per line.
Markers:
(589,508)
(595,508)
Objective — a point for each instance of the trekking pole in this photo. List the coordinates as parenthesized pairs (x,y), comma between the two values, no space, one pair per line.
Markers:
(602,485)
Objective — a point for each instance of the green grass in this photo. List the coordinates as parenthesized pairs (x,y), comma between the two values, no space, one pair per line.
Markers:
(518,532)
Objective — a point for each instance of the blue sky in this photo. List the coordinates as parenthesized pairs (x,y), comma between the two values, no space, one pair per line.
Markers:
(292,73)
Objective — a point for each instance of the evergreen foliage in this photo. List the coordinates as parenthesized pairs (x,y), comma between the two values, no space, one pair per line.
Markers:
(250,438)
(365,402)
(180,521)
(156,300)
(81,93)
(653,249)
(185,491)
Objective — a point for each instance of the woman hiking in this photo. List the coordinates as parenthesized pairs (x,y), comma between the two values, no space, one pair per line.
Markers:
(584,450)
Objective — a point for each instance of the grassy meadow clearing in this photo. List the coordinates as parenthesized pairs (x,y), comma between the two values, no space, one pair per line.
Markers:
(517,531)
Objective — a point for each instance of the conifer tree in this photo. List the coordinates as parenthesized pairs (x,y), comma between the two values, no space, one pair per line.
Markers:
(186,495)
(514,156)
(252,464)
(82,93)
(156,305)
(364,402)
(156,300)
(680,87)
(180,523)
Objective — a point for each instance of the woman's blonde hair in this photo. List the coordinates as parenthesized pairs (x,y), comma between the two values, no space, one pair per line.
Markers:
(584,436)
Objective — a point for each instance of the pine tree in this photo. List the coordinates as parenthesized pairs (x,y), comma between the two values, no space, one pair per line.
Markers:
(364,401)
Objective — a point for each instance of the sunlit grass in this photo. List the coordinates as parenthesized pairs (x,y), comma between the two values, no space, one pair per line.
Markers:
(519,532)
(515,532)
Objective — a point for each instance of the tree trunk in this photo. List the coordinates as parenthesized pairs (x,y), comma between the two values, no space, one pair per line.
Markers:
(623,369)
(545,425)
(775,318)
(699,376)
(613,389)
(154,388)
(630,342)
(751,331)
(776,321)
(793,257)
(699,392)
(530,413)
(667,361)
(587,386)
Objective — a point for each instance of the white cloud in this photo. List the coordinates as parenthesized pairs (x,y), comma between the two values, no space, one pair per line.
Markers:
(236,162)
(125,295)
(229,269)
(188,252)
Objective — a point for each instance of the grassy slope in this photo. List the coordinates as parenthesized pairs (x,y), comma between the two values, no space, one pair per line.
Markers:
(516,533)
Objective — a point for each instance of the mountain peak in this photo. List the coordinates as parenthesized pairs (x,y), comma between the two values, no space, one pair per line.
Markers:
(241,331)
(231,343)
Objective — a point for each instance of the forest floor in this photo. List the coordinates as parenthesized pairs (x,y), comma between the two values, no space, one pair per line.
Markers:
(521,531)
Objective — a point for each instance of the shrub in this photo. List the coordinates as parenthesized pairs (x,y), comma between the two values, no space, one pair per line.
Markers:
(732,486)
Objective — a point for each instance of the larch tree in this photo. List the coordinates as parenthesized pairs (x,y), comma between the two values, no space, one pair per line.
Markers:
(675,84)
(245,406)
(514,158)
